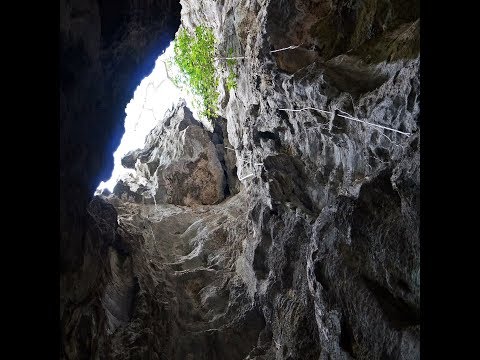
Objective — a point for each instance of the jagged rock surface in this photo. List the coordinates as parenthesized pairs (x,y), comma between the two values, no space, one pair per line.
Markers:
(335,255)
(317,256)
(182,163)
(191,302)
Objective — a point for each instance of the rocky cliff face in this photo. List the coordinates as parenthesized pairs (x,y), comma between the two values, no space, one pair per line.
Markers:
(302,242)
(182,163)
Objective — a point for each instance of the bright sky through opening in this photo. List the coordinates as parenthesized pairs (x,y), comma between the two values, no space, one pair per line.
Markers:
(152,98)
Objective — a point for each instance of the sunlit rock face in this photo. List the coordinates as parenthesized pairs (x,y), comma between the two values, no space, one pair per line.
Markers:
(280,235)
(334,255)
(182,163)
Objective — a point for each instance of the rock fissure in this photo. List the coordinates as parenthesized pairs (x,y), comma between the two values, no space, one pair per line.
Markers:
(285,232)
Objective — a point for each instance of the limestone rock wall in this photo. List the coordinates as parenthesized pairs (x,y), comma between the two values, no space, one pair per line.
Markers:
(315,256)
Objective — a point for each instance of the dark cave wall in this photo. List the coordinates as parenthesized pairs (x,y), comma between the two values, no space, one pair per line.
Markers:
(105,49)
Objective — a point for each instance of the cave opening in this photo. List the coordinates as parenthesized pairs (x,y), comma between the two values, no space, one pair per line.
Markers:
(153,98)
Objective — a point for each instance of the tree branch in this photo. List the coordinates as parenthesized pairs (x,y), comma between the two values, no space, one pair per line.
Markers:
(349,118)
(291,47)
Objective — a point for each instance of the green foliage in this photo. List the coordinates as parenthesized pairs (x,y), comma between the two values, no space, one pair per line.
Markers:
(195,55)
(232,76)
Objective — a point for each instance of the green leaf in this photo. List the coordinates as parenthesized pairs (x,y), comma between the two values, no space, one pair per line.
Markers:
(194,55)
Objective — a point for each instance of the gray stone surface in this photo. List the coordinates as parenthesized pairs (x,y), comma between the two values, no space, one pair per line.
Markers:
(182,163)
(316,256)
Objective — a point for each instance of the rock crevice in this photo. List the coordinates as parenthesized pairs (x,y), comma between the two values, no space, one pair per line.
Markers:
(279,235)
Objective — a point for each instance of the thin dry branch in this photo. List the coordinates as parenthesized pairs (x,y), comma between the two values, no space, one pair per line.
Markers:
(291,47)
(349,118)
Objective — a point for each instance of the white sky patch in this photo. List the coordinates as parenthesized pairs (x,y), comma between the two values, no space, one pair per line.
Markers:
(152,98)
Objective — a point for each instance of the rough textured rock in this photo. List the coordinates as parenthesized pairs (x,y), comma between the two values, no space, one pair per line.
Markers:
(336,212)
(182,163)
(192,302)
(315,256)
